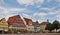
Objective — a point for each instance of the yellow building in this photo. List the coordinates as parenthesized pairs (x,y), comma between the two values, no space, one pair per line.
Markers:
(42,26)
(3,25)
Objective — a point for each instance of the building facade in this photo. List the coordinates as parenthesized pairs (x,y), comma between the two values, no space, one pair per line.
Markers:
(16,23)
(36,26)
(3,25)
(29,25)
(42,26)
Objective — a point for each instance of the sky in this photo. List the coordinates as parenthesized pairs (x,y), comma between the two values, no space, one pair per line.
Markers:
(37,10)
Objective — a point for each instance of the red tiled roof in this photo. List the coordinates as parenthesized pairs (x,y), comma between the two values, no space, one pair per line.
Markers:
(15,21)
(43,23)
(2,19)
(35,23)
(27,20)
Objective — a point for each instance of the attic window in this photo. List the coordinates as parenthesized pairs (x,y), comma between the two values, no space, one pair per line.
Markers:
(3,22)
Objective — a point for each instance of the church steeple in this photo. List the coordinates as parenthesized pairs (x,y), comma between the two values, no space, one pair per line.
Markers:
(48,20)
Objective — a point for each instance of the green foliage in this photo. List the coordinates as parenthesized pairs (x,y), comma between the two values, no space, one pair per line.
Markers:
(49,27)
(56,24)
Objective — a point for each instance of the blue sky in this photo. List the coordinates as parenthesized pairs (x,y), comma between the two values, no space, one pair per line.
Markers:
(37,10)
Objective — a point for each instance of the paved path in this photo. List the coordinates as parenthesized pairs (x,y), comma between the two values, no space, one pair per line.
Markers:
(35,34)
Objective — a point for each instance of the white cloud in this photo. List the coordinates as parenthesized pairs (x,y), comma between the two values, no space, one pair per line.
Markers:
(26,2)
(17,9)
(29,16)
(41,21)
(39,1)
(29,2)
(56,13)
(41,14)
(6,12)
(1,1)
(49,9)
(48,0)
(45,8)
(26,15)
(51,13)
(58,16)
(58,1)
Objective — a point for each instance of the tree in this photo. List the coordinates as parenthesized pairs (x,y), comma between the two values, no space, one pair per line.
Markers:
(49,27)
(56,25)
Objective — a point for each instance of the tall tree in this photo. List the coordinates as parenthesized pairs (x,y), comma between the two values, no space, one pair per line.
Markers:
(56,25)
(49,27)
